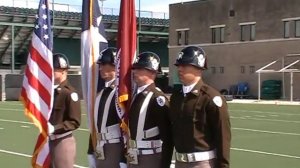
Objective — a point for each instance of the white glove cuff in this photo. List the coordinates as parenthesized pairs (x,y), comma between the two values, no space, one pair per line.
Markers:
(50,128)
(92,161)
(123,165)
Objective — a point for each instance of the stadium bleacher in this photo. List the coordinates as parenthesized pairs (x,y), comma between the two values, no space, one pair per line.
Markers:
(66,25)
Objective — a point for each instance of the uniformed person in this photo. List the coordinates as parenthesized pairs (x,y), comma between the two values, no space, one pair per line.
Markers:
(109,150)
(200,120)
(65,116)
(150,143)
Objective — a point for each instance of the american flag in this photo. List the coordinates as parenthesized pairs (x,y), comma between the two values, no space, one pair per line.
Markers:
(126,55)
(37,88)
(92,42)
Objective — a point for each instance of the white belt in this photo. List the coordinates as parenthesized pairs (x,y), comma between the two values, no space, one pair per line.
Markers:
(57,136)
(152,132)
(112,141)
(145,144)
(149,151)
(195,157)
(112,132)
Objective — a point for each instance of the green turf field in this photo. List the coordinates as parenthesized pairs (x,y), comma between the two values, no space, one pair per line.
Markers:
(264,136)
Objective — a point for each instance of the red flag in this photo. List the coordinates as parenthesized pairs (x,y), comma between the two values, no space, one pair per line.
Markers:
(126,55)
(38,83)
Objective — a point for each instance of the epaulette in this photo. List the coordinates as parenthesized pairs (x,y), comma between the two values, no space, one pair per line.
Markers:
(71,87)
(157,88)
(211,92)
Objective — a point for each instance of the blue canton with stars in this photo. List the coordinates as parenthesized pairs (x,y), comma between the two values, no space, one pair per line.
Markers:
(42,27)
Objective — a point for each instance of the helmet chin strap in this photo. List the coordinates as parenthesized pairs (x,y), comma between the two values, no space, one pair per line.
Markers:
(145,82)
(62,78)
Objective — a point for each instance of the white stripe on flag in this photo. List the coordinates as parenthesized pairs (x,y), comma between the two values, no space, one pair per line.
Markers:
(39,75)
(42,156)
(42,49)
(34,98)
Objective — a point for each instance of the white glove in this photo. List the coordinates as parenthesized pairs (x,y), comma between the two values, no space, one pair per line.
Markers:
(50,128)
(92,161)
(123,165)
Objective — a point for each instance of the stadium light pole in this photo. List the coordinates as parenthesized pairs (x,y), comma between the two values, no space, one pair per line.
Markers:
(102,9)
(53,15)
(13,49)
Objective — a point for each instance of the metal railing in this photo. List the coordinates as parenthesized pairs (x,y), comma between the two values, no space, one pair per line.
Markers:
(77,8)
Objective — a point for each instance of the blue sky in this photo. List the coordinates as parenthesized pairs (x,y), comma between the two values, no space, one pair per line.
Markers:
(146,5)
(157,8)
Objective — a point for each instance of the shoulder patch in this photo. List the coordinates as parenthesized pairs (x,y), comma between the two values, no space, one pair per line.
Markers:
(218,101)
(74,96)
(161,100)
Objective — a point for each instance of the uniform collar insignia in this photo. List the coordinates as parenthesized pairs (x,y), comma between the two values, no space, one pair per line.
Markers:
(58,89)
(195,92)
(110,83)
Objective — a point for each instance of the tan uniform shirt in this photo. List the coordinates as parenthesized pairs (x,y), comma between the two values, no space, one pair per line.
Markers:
(200,122)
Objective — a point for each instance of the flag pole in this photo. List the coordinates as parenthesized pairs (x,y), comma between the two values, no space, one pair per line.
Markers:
(52,15)
(139,32)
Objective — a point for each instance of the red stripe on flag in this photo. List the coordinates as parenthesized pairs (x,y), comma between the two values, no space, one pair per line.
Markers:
(47,161)
(41,141)
(46,68)
(30,107)
(37,85)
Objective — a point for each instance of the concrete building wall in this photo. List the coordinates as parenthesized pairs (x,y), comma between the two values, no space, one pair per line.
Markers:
(238,55)
(13,84)
(269,43)
(198,16)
